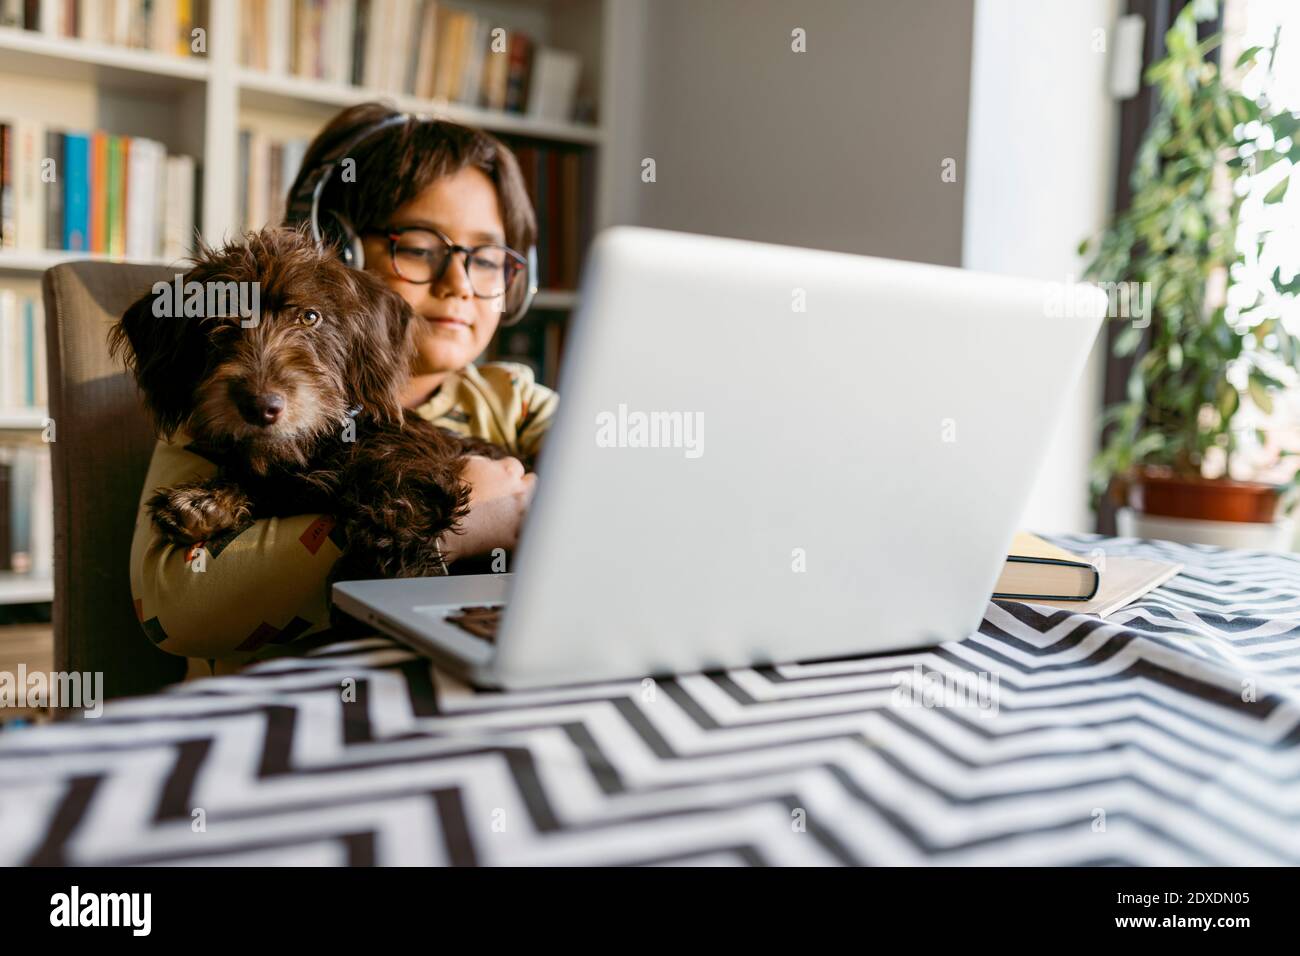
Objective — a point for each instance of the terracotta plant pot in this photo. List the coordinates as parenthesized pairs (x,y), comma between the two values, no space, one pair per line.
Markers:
(1156,491)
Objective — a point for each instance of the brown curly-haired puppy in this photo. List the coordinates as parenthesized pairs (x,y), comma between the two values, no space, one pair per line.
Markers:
(299,405)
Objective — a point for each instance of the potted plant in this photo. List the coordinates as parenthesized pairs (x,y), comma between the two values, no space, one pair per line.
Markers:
(1210,339)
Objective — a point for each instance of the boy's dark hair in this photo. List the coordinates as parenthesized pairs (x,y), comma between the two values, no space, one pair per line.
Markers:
(398,163)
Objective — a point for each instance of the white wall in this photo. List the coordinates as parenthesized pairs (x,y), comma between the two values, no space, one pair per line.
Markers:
(1040,177)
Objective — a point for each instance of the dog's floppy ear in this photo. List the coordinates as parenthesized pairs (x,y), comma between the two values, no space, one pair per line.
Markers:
(381,363)
(166,353)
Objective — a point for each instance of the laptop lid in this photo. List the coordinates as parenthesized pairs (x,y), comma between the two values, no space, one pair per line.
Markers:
(765,454)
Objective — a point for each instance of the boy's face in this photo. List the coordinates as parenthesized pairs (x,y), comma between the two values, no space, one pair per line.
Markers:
(455,325)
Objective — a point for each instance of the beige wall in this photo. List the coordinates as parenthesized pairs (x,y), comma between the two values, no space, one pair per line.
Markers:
(836,148)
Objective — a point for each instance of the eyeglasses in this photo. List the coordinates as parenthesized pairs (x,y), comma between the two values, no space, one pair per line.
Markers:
(421,256)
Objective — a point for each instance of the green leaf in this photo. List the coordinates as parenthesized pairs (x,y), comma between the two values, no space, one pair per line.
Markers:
(1268,381)
(1147,444)
(1210,42)
(1278,192)
(1127,341)
(1264,159)
(1259,394)
(1291,287)
(1284,124)
(1247,55)
(1229,402)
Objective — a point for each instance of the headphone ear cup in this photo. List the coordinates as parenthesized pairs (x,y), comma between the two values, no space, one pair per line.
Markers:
(337,233)
(520,297)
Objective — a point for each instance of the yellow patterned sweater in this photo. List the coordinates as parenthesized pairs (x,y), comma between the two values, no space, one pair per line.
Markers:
(249,593)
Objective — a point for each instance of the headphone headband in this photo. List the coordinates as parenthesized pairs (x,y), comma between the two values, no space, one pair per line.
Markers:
(304,206)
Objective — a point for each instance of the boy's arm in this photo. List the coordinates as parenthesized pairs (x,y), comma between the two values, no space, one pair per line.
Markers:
(237,594)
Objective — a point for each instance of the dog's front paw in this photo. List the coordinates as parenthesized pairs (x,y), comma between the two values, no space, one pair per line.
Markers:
(187,514)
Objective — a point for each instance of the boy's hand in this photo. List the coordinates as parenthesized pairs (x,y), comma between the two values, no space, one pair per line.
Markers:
(498,498)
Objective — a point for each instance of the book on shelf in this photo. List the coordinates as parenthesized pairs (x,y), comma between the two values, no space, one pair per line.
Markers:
(559,178)
(178,227)
(267,168)
(163,26)
(27,509)
(421,48)
(554,85)
(8,206)
(22,352)
(6,505)
(94,192)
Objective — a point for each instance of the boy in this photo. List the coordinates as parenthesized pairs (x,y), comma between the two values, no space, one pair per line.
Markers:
(443,217)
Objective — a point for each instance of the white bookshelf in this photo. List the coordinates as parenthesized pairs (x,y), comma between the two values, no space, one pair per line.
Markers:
(22,419)
(22,262)
(555,299)
(276,92)
(38,55)
(197,106)
(18,587)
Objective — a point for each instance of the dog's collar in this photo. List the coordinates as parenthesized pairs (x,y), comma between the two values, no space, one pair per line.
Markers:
(354,411)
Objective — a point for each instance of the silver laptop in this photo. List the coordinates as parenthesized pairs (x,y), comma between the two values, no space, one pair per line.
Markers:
(762,454)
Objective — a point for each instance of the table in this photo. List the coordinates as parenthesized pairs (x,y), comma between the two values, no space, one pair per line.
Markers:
(1168,734)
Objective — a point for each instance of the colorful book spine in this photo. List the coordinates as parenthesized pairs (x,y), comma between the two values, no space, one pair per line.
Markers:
(6,497)
(517,72)
(76,193)
(54,191)
(29,351)
(22,351)
(9,349)
(8,202)
(164,26)
(178,211)
(115,200)
(98,191)
(29,141)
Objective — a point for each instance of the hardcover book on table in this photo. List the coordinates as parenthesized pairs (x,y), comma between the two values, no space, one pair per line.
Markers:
(1037,572)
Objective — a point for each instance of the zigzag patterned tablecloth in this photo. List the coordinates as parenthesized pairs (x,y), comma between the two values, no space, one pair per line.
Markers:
(1124,741)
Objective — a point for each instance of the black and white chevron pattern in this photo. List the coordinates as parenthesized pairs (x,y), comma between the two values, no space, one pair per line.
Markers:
(1169,734)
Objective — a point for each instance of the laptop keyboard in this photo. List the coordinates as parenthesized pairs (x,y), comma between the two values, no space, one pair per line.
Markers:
(480,620)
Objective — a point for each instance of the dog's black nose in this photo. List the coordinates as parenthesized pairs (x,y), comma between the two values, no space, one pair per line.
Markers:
(262,409)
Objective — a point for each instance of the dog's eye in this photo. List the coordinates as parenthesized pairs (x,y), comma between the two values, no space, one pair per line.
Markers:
(310,317)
